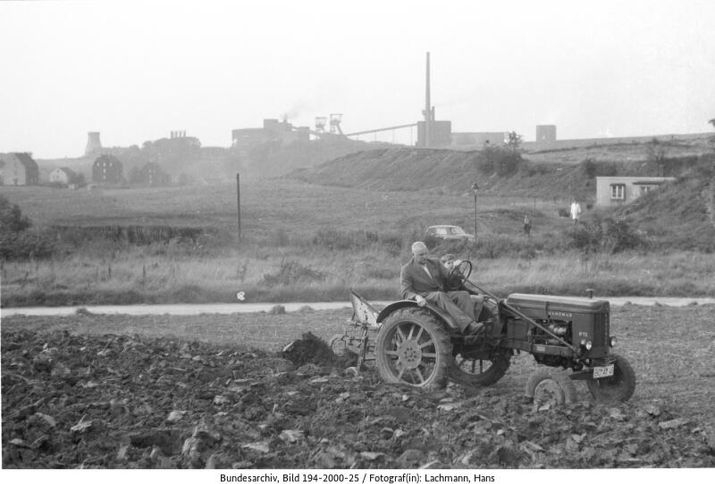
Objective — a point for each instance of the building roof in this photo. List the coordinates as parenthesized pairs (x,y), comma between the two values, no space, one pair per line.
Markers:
(637,179)
(107,158)
(24,158)
(67,170)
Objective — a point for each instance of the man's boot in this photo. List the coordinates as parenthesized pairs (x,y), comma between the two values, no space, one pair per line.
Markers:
(473,332)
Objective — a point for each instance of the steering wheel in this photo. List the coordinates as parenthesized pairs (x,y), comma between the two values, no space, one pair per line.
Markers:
(462,270)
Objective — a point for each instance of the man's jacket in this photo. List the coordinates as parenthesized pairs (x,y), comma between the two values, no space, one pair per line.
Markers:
(414,279)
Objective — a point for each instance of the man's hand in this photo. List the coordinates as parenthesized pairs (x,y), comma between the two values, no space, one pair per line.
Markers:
(420,300)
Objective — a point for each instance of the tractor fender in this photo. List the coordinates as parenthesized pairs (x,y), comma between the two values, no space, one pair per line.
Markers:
(438,313)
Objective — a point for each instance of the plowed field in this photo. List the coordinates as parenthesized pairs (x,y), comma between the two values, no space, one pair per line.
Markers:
(212,391)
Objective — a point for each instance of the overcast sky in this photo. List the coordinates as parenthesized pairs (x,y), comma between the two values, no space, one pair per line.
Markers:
(137,70)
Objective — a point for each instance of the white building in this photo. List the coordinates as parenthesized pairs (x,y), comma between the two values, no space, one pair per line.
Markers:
(63,176)
(618,190)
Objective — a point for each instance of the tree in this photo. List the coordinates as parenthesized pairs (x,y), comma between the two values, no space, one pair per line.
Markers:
(11,218)
(514,142)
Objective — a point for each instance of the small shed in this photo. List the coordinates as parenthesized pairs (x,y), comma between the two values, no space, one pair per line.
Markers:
(18,169)
(107,169)
(618,190)
(63,176)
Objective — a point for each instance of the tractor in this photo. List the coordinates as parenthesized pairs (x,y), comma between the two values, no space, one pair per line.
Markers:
(423,347)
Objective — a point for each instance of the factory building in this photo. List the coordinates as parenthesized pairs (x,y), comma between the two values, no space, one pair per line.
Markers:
(272,130)
(546,133)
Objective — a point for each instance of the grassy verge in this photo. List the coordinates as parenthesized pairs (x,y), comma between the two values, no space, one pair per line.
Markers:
(266,274)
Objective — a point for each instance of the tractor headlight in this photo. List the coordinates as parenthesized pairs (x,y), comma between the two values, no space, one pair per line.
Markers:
(612,341)
(588,344)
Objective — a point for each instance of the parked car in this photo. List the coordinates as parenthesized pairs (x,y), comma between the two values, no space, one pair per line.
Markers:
(448,232)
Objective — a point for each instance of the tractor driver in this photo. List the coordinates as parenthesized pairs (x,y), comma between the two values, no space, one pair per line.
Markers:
(424,279)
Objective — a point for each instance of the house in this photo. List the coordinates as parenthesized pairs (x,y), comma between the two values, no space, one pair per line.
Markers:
(18,169)
(63,176)
(107,169)
(617,190)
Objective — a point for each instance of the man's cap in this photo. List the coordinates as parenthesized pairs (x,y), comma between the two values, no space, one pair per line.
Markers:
(419,245)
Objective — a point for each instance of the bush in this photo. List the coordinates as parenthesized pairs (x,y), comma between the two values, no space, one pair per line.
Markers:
(594,168)
(16,242)
(11,218)
(499,160)
(605,235)
(618,236)
(585,236)
(25,245)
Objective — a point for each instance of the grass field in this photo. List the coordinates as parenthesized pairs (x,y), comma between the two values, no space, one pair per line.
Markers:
(267,206)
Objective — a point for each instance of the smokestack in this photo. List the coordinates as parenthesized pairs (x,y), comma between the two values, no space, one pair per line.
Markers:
(428,106)
(93,143)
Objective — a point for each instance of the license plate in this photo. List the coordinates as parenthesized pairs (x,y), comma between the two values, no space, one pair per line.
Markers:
(603,371)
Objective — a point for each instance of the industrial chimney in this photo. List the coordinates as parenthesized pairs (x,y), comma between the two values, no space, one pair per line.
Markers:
(93,143)
(428,107)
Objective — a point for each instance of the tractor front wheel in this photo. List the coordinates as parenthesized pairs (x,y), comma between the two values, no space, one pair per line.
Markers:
(550,387)
(412,348)
(616,388)
(475,371)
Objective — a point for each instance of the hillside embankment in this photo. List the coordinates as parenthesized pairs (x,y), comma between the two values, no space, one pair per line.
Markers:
(397,169)
(681,213)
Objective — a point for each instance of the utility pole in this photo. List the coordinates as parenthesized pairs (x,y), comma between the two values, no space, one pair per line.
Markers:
(238,203)
(475,189)
(428,108)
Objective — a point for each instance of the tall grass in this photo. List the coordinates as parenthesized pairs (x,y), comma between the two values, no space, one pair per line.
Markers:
(624,274)
(139,275)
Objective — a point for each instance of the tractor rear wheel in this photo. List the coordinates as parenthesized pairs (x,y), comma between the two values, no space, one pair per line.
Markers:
(472,371)
(413,348)
(616,388)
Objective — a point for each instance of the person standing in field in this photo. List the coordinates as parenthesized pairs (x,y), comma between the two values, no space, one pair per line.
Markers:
(575,211)
(527,225)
